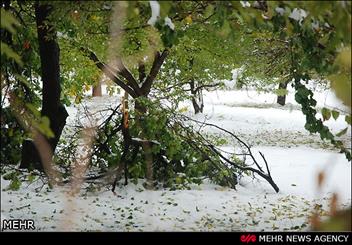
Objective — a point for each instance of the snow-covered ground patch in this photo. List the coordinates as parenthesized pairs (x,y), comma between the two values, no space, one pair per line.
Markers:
(295,159)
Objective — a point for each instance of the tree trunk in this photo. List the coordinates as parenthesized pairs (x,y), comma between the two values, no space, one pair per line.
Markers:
(140,111)
(51,107)
(281,99)
(97,90)
(196,95)
(139,108)
(196,107)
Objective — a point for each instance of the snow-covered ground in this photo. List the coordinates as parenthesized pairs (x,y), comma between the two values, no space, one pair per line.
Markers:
(295,159)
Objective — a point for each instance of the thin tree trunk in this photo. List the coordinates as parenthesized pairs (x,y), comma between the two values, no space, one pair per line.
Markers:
(141,111)
(196,94)
(51,107)
(147,148)
(281,99)
(196,107)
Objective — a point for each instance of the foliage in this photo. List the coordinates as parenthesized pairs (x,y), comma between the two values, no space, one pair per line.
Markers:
(20,82)
(198,61)
(11,138)
(205,41)
(8,22)
(15,183)
(311,44)
(176,162)
(14,80)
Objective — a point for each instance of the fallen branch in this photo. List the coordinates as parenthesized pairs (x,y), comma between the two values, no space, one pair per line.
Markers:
(267,176)
(233,135)
(259,171)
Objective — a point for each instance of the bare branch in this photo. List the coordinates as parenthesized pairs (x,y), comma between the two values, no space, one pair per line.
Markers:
(235,136)
(267,177)
(206,86)
(266,163)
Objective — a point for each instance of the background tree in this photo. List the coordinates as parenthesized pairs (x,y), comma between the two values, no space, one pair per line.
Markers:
(315,39)
(199,62)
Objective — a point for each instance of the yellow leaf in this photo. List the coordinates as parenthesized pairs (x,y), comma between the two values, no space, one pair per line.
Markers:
(183,109)
(188,19)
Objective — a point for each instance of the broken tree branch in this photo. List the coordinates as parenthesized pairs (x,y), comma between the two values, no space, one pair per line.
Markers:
(267,176)
(108,72)
(259,171)
(233,135)
(158,61)
(124,72)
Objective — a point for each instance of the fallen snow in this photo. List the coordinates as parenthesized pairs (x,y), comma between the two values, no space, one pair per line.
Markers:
(295,159)
(169,23)
(154,5)
(298,15)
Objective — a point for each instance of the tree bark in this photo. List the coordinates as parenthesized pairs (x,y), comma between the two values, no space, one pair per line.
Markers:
(141,72)
(51,107)
(196,107)
(159,59)
(281,99)
(196,94)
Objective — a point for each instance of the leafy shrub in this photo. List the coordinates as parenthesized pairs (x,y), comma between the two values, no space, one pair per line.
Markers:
(12,136)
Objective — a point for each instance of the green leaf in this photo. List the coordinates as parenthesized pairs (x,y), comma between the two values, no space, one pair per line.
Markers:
(342,132)
(335,114)
(8,21)
(23,80)
(33,109)
(348,119)
(341,84)
(209,10)
(31,178)
(326,113)
(164,8)
(281,91)
(15,184)
(225,29)
(7,51)
(10,176)
(178,180)
(45,126)
(42,123)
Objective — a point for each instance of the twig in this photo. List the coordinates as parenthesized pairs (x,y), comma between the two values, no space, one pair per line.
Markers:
(266,163)
(267,177)
(233,135)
